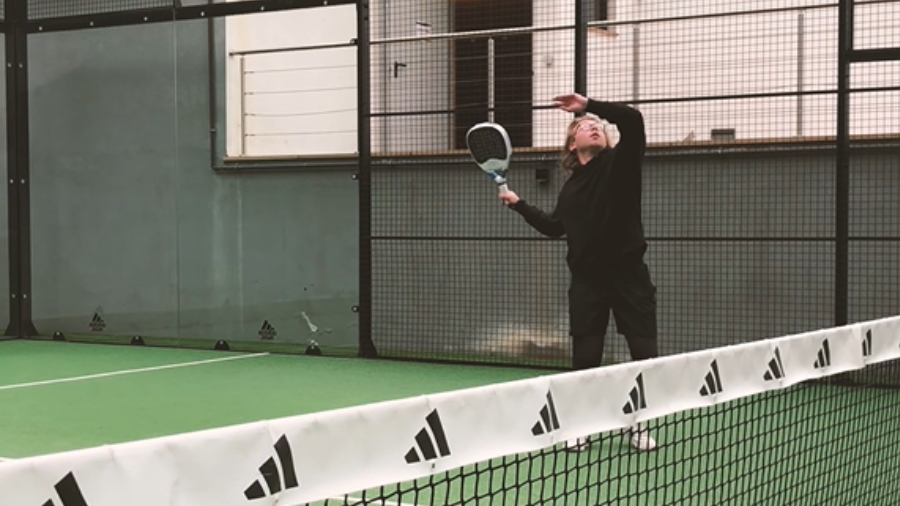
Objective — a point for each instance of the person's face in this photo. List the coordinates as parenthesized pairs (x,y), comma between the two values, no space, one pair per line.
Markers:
(588,134)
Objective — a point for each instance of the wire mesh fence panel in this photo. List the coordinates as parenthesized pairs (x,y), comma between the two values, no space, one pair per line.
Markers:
(874,180)
(739,188)
(49,9)
(740,246)
(872,24)
(54,9)
(739,208)
(455,276)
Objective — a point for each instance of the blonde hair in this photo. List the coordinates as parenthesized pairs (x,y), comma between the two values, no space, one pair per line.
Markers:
(569,158)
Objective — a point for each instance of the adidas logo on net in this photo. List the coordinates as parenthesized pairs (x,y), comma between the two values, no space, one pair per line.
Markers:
(431,441)
(276,476)
(549,421)
(868,344)
(637,397)
(713,381)
(68,492)
(823,358)
(776,367)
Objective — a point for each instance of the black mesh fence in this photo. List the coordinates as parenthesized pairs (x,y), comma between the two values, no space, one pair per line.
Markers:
(50,9)
(874,210)
(739,181)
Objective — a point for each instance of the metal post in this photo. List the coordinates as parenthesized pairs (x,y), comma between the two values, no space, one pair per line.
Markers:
(635,63)
(212,80)
(364,179)
(490,78)
(243,110)
(580,48)
(842,176)
(17,169)
(801,41)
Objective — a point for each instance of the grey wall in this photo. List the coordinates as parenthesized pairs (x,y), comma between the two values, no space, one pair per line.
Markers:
(740,250)
(131,221)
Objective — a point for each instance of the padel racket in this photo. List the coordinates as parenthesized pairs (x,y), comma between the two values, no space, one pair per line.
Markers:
(490,148)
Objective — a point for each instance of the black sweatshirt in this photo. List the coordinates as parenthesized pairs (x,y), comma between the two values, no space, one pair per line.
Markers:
(599,206)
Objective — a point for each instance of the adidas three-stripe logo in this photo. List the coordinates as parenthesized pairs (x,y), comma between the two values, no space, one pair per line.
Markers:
(69,492)
(269,469)
(97,323)
(824,357)
(426,441)
(267,331)
(637,397)
(867,344)
(548,422)
(776,367)
(713,381)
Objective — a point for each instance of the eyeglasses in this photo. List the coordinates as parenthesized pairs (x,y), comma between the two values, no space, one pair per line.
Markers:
(584,127)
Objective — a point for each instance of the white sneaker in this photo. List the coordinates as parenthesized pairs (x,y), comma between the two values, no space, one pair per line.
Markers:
(578,444)
(640,438)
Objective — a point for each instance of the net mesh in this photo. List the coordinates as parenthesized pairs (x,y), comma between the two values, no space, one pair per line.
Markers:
(50,9)
(740,186)
(796,446)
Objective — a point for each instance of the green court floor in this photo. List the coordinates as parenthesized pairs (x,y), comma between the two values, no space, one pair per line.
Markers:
(58,396)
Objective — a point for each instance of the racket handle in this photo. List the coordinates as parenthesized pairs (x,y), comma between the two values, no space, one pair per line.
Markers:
(503,188)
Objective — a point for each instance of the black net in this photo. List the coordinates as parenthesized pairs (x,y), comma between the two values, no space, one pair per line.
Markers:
(740,184)
(795,446)
(50,9)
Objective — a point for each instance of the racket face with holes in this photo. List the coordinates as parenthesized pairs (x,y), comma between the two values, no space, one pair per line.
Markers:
(489,146)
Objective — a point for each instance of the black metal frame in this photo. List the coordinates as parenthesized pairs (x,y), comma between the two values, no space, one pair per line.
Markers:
(364,178)
(842,169)
(17,169)
(173,13)
(580,47)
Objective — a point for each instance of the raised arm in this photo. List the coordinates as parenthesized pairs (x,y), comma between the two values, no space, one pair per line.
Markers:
(628,120)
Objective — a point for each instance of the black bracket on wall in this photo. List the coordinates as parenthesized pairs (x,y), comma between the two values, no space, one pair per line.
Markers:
(398,65)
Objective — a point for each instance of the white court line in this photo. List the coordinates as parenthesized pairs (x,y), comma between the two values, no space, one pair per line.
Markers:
(127,371)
